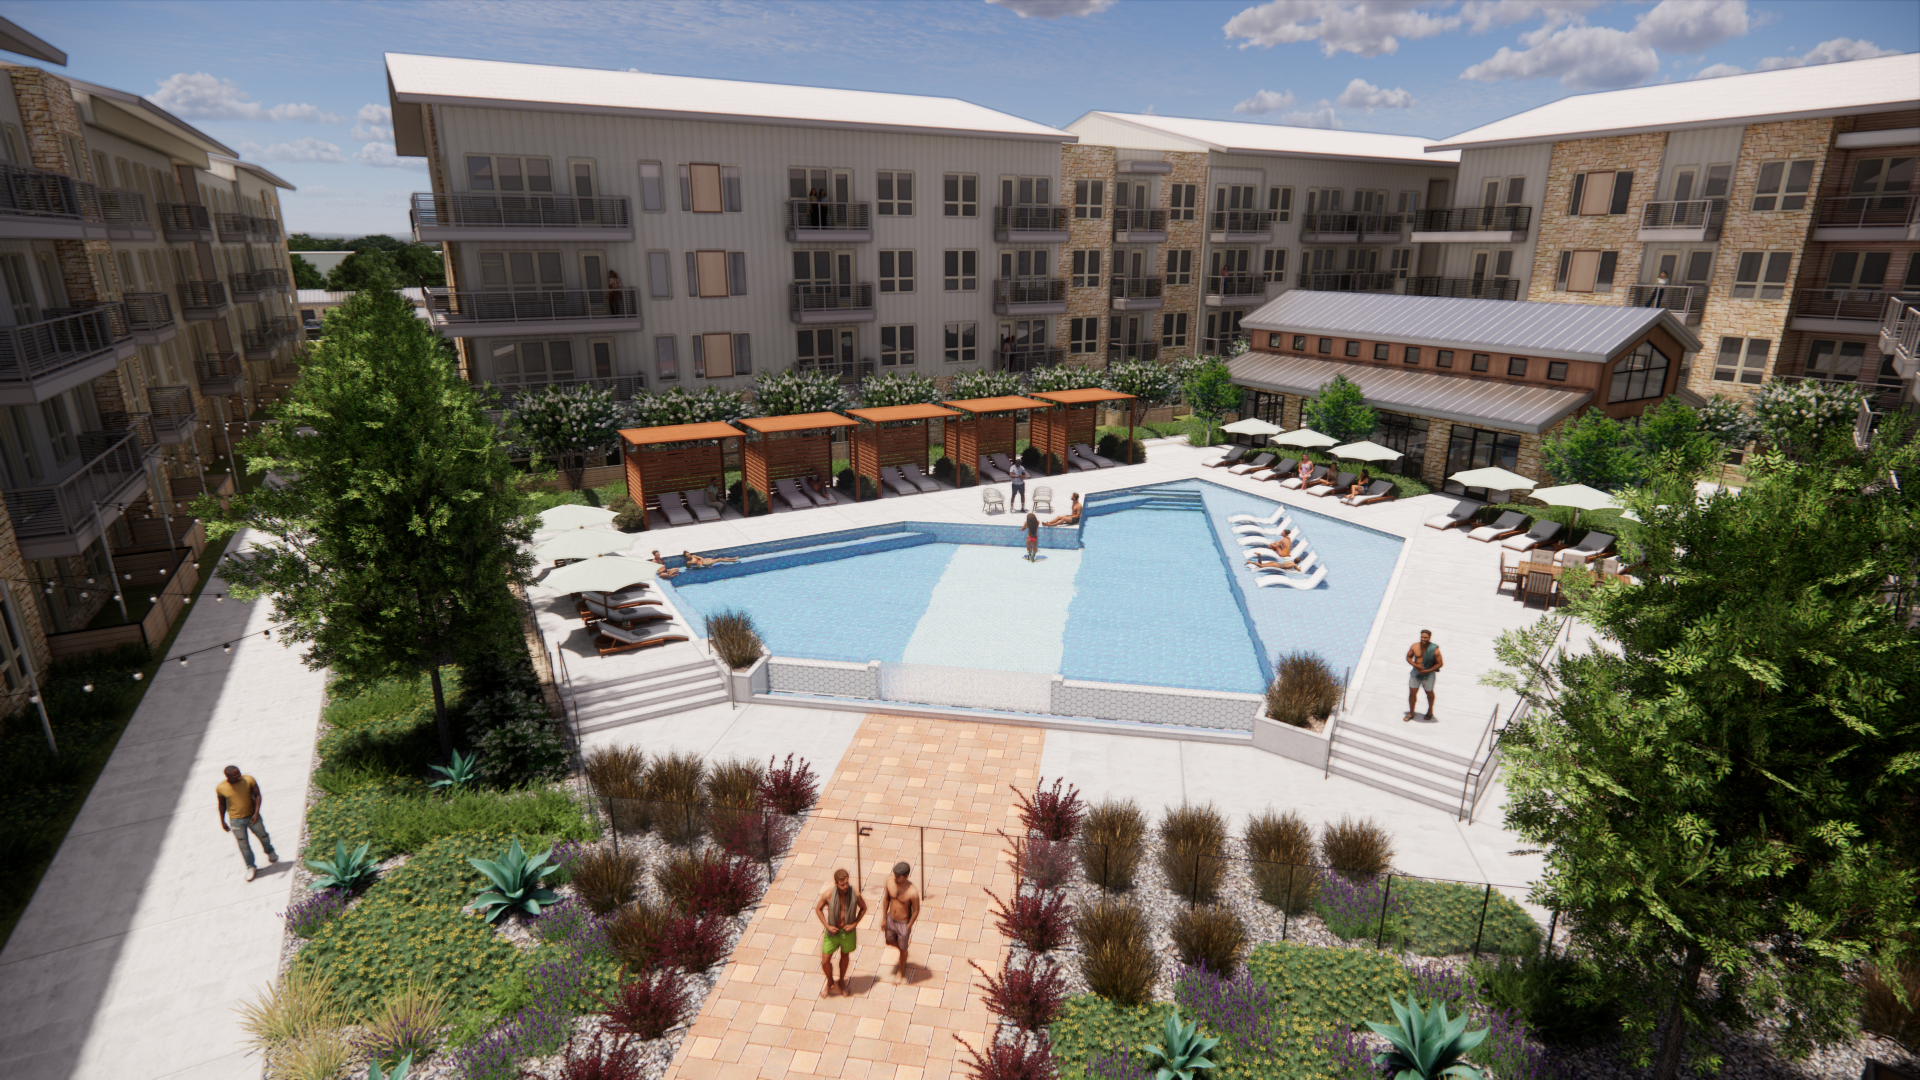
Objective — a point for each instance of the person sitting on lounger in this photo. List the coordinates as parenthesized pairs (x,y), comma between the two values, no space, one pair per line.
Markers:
(1071,517)
(820,489)
(665,570)
(1360,486)
(701,562)
(1306,471)
(1281,557)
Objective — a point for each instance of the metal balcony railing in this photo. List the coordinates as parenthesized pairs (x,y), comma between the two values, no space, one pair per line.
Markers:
(116,207)
(271,279)
(148,310)
(234,228)
(1862,211)
(1383,224)
(35,350)
(1222,344)
(219,374)
(113,426)
(183,221)
(36,193)
(1864,305)
(171,409)
(267,335)
(1028,358)
(853,296)
(1691,214)
(1900,329)
(1119,352)
(1236,285)
(1125,220)
(1030,218)
(203,294)
(67,507)
(1030,290)
(434,209)
(1134,288)
(1473,288)
(1355,281)
(1241,221)
(448,307)
(1330,221)
(1476,219)
(1684,300)
(847,371)
(803,216)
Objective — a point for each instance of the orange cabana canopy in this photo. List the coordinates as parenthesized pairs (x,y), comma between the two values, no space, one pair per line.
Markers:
(783,447)
(987,428)
(676,457)
(893,435)
(1072,421)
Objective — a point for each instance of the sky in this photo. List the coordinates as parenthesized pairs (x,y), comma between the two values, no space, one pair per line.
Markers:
(301,88)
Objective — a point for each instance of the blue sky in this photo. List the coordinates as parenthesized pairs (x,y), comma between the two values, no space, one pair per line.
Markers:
(300,86)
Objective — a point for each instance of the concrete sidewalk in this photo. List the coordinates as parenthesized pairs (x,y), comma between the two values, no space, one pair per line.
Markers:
(143,935)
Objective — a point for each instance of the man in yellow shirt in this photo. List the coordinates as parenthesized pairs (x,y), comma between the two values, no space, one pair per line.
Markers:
(237,800)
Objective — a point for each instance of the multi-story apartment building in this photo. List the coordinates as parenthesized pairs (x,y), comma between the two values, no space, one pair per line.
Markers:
(1180,227)
(1773,212)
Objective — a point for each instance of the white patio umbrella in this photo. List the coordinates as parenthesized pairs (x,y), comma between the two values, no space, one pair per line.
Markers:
(581,544)
(1578,496)
(1365,450)
(575,517)
(1303,437)
(1492,478)
(1252,425)
(608,573)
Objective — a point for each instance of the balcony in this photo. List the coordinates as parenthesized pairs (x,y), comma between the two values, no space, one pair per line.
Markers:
(1355,281)
(66,518)
(1685,301)
(448,216)
(1023,358)
(1900,335)
(203,301)
(1030,224)
(852,302)
(829,222)
(1136,293)
(1240,227)
(219,374)
(1473,225)
(500,312)
(115,213)
(41,359)
(171,414)
(1119,352)
(1329,228)
(1840,311)
(1235,291)
(185,223)
(1138,226)
(847,371)
(39,205)
(150,317)
(257,284)
(1693,221)
(1868,217)
(1467,288)
(1030,296)
(1384,227)
(245,229)
(261,341)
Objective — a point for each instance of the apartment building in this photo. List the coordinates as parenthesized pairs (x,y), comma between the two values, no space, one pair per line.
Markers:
(1181,227)
(1772,212)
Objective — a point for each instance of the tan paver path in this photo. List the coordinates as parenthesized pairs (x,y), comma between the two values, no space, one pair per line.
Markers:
(767,1018)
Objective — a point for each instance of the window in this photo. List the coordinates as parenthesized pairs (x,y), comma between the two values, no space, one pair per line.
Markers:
(1481,361)
(59,428)
(1839,361)
(893,194)
(824,348)
(1742,359)
(716,273)
(1089,198)
(1382,351)
(960,195)
(1639,375)
(1083,335)
(1911,283)
(521,270)
(602,352)
(1761,275)
(1400,260)
(1233,197)
(1086,269)
(1273,264)
(1411,355)
(666,358)
(1517,367)
(1586,271)
(896,271)
(653,199)
(1858,269)
(1180,199)
(1889,176)
(1280,201)
(1600,193)
(659,275)
(1326,344)
(961,271)
(721,356)
(532,363)
(896,346)
(1300,342)
(1782,185)
(1443,358)
(1353,348)
(1477,448)
(1026,190)
(1557,370)
(1407,434)
(1173,330)
(1180,267)
(489,172)
(962,343)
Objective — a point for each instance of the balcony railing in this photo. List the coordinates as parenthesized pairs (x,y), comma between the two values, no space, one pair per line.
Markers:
(1135,288)
(116,208)
(1119,352)
(1900,332)
(1241,221)
(68,507)
(1383,224)
(219,374)
(1030,290)
(1028,358)
(171,411)
(38,349)
(184,222)
(1868,211)
(1884,393)
(245,228)
(202,296)
(847,371)
(36,193)
(546,305)
(1131,221)
(1329,221)
(1476,219)
(1471,288)
(1030,218)
(434,209)
(1236,285)
(853,296)
(804,216)
(256,282)
(1687,301)
(1348,282)
(260,341)
(148,311)
(1691,214)
(1862,305)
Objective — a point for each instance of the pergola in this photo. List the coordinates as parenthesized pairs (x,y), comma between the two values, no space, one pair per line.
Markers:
(986,426)
(677,457)
(1073,419)
(893,435)
(781,447)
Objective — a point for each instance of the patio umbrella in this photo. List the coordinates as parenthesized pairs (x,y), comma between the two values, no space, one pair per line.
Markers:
(1365,450)
(1303,437)
(581,544)
(608,573)
(1492,478)
(1252,425)
(1578,496)
(575,517)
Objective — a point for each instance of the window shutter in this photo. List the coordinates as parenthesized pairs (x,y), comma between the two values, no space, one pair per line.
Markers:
(706,189)
(730,188)
(699,357)
(712,273)
(1579,189)
(742,355)
(1622,190)
(686,189)
(718,349)
(693,274)
(659,275)
(1603,280)
(737,273)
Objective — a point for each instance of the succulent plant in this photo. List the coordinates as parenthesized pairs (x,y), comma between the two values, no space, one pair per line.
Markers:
(399,1071)
(462,772)
(517,880)
(1427,1044)
(1185,1051)
(346,870)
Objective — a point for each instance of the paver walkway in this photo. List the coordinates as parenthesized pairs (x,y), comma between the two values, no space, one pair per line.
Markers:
(767,1018)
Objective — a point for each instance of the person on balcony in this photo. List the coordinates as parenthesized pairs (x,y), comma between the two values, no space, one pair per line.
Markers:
(613,294)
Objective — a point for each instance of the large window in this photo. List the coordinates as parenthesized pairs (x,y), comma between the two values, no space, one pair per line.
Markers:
(1601,193)
(1742,359)
(1280,201)
(1273,264)
(893,194)
(1089,198)
(1173,330)
(716,273)
(1083,335)
(1761,275)
(710,189)
(1888,176)
(721,356)
(532,363)
(962,345)
(1843,361)
(1474,448)
(1180,198)
(1407,434)
(896,271)
(824,347)
(961,271)
(1782,185)
(960,195)
(521,271)
(499,172)
(1639,375)
(897,347)
(1086,269)
(1180,267)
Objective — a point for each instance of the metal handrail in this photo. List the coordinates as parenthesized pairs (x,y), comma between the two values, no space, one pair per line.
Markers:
(203,294)
(148,311)
(1236,285)
(1900,325)
(1840,211)
(215,367)
(117,206)
(1471,288)
(1842,303)
(530,306)
(804,215)
(434,209)
(63,508)
(1029,358)
(1134,288)
(1330,221)
(854,295)
(26,192)
(1242,221)
(1515,218)
(171,407)
(1029,290)
(1120,351)
(183,217)
(1684,214)
(1126,220)
(271,278)
(32,350)
(1030,218)
(1353,281)
(1686,299)
(1383,224)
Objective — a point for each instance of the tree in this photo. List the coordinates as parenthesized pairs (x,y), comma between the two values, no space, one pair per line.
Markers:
(1154,384)
(889,388)
(788,393)
(1592,449)
(569,424)
(306,275)
(969,385)
(1049,380)
(392,544)
(1721,784)
(420,266)
(710,404)
(370,269)
(1341,412)
(1210,391)
(1801,418)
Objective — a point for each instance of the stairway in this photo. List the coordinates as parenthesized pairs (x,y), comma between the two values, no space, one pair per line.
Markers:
(1403,766)
(683,683)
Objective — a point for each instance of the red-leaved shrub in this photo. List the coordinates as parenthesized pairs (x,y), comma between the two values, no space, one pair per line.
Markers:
(603,1057)
(1025,1058)
(1028,994)
(790,788)
(759,834)
(1054,814)
(648,1005)
(709,883)
(694,942)
(1048,864)
(1037,920)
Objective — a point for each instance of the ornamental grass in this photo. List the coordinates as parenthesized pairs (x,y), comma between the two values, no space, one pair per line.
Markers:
(1110,844)
(1193,844)
(1281,846)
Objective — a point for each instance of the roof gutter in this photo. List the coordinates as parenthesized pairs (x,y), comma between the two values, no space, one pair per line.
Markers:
(1696,125)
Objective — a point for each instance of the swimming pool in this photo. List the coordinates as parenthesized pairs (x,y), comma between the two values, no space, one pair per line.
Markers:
(1149,590)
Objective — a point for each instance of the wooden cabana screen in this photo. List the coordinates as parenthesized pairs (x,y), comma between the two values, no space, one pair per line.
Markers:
(893,435)
(678,457)
(986,426)
(1074,418)
(787,447)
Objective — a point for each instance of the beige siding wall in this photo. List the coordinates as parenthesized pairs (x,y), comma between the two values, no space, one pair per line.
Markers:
(1502,163)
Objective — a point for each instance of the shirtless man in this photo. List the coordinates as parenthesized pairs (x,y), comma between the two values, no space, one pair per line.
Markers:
(903,910)
(1426,661)
(701,562)
(1282,556)
(665,571)
(839,909)
(1071,517)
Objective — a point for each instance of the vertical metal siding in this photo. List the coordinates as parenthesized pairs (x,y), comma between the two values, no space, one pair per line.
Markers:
(1500,162)
(1697,148)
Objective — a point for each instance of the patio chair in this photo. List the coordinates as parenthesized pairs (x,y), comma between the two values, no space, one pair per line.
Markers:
(892,477)
(1255,465)
(1542,532)
(792,494)
(697,502)
(675,512)
(991,472)
(1506,525)
(1085,451)
(1376,491)
(1283,469)
(1279,514)
(1318,474)
(1232,458)
(612,639)
(1591,546)
(1537,583)
(991,500)
(1042,499)
(1509,575)
(1462,512)
(911,471)
(626,618)
(627,597)
(1340,486)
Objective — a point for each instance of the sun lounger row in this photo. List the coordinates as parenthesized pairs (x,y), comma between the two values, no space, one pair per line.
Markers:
(907,479)
(686,507)
(799,496)
(612,637)
(1257,532)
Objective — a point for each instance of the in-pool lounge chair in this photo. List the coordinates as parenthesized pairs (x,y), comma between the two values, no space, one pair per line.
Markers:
(792,494)
(1340,486)
(1273,578)
(1279,471)
(1504,526)
(1376,491)
(1280,522)
(626,618)
(1255,465)
(911,471)
(1318,474)
(1279,515)
(900,485)
(612,639)
(697,502)
(990,471)
(1082,450)
(676,513)
(1591,546)
(1542,532)
(1462,512)
(1233,458)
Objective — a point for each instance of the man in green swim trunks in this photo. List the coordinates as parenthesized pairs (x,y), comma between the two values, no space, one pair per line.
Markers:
(840,910)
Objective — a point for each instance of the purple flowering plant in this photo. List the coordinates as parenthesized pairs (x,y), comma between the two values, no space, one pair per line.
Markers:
(313,910)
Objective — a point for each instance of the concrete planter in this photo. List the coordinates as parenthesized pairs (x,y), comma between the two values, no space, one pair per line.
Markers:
(742,685)
(1306,747)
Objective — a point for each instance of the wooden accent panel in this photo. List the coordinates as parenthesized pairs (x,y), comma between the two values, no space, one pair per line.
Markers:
(662,467)
(876,447)
(969,440)
(778,457)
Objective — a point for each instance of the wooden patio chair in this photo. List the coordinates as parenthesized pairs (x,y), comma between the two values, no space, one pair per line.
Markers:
(612,639)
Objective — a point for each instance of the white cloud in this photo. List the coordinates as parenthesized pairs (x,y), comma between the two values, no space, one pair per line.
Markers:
(1053,9)
(381,155)
(1265,101)
(1827,52)
(200,96)
(1319,118)
(1368,28)
(1585,58)
(1692,26)
(1717,70)
(376,124)
(1480,16)
(306,149)
(1361,94)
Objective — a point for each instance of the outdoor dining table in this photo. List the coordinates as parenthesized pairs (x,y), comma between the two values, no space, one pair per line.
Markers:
(1527,568)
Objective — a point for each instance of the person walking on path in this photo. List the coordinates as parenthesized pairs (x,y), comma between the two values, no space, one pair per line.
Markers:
(1033,536)
(237,802)
(1018,492)
(1425,657)
(902,911)
(839,909)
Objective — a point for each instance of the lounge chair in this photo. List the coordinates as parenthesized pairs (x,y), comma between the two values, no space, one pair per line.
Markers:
(918,479)
(1340,486)
(1264,538)
(1285,524)
(626,618)
(1542,532)
(991,500)
(1003,463)
(1462,512)
(1279,514)
(1292,581)
(612,639)
(1233,458)
(1042,499)
(627,597)
(1376,491)
(1085,451)
(1591,546)
(891,476)
(1305,560)
(697,502)
(1318,474)
(676,513)
(1277,472)
(1506,525)
(1256,464)
(793,494)
(992,472)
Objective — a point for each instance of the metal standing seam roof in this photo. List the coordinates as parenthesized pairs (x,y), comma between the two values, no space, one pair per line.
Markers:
(681,433)
(1595,332)
(887,414)
(1241,137)
(1506,405)
(1083,397)
(771,425)
(998,404)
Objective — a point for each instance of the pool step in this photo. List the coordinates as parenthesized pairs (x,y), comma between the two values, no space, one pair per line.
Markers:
(813,553)
(1394,763)
(687,684)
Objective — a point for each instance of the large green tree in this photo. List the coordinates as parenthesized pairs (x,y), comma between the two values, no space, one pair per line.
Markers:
(1723,782)
(1592,449)
(568,424)
(1210,391)
(306,275)
(1340,411)
(393,529)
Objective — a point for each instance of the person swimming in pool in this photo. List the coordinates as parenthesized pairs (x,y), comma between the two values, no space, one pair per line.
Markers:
(701,562)
(665,571)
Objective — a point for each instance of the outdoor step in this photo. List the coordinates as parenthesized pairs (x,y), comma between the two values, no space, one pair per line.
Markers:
(1449,774)
(1407,775)
(589,697)
(714,697)
(1397,739)
(688,658)
(1373,779)
(1420,756)
(650,696)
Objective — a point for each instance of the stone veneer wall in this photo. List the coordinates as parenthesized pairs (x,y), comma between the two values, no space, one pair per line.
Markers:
(1087,234)
(13,571)
(1189,167)
(1560,231)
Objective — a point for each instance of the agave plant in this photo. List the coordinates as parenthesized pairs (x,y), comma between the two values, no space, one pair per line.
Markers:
(1427,1044)
(346,870)
(517,882)
(461,773)
(399,1071)
(1185,1051)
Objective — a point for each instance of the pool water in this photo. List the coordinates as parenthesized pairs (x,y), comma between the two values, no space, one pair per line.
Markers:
(1155,594)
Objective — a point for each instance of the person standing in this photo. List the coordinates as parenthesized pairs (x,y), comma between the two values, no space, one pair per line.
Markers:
(1425,657)
(839,909)
(614,305)
(902,911)
(1033,536)
(237,802)
(1018,474)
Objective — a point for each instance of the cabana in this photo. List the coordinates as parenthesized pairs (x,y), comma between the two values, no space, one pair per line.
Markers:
(677,457)
(787,447)
(1073,420)
(893,435)
(986,426)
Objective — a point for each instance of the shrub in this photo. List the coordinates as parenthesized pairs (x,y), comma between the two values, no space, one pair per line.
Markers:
(943,467)
(1211,936)
(1326,986)
(733,635)
(969,385)
(303,1000)
(628,516)
(516,741)
(1545,991)
(1116,957)
(1239,1009)
(369,952)
(308,913)
(318,1054)
(1118,447)
(1024,1058)
(635,933)
(1304,689)
(648,1005)
(518,882)
(1110,844)
(607,879)
(613,768)
(1356,847)
(694,943)
(1443,918)
(1032,458)
(1281,845)
(604,1056)
(790,788)
(1359,908)
(1037,920)
(1193,841)
(408,1023)
(410,822)
(1048,864)
(735,784)
(753,834)
(787,393)
(1051,813)
(708,883)
(1512,1049)
(347,870)
(889,388)
(571,923)
(674,784)
(1028,994)
(1880,1007)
